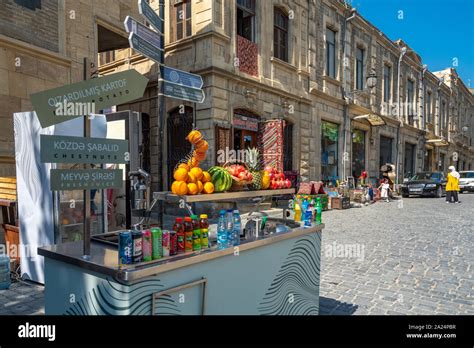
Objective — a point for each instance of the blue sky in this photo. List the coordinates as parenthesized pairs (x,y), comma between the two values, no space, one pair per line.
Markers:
(438,30)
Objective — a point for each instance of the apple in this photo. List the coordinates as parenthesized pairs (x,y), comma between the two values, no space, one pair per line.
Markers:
(288,183)
(242,176)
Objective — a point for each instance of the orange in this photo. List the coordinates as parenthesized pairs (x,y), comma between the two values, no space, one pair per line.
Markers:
(206,177)
(194,136)
(180,174)
(193,162)
(192,189)
(200,186)
(199,156)
(174,186)
(184,165)
(181,188)
(197,172)
(191,178)
(202,146)
(208,187)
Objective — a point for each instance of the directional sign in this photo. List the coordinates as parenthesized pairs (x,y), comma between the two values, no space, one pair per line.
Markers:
(180,77)
(85,179)
(132,26)
(145,48)
(101,92)
(173,90)
(150,15)
(65,149)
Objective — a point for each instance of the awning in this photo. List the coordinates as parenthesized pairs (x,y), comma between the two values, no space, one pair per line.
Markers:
(373,119)
(437,142)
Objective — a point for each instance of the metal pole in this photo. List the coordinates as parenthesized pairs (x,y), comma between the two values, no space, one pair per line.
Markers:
(161,115)
(87,193)
(400,121)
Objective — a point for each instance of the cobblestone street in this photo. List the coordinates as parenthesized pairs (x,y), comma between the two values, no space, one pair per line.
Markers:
(417,258)
(414,257)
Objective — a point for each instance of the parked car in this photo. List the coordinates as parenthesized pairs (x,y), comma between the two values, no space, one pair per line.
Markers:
(425,184)
(466,182)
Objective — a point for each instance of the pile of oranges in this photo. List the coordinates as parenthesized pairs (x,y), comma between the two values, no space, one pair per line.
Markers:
(191,181)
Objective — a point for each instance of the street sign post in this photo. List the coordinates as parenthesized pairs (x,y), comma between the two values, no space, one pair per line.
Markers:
(176,91)
(101,92)
(66,149)
(144,47)
(150,15)
(180,77)
(132,26)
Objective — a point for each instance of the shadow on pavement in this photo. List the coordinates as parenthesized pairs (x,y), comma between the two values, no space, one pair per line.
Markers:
(330,306)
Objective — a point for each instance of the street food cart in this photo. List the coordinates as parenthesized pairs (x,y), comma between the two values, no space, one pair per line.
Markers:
(278,273)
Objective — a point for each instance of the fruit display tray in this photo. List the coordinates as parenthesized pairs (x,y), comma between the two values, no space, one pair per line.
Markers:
(218,197)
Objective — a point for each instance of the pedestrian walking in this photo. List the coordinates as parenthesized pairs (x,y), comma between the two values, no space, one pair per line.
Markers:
(452,186)
(384,189)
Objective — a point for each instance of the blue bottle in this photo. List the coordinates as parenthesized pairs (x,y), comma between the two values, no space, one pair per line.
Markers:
(229,225)
(221,231)
(308,219)
(237,227)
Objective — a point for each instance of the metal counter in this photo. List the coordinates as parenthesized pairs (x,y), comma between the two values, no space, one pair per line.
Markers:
(104,258)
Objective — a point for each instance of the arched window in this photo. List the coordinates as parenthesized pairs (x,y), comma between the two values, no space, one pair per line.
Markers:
(180,123)
(280,34)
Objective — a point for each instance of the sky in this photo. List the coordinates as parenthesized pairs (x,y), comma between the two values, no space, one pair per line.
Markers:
(440,31)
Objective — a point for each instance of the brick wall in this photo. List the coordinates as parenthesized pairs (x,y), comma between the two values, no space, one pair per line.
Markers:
(38,27)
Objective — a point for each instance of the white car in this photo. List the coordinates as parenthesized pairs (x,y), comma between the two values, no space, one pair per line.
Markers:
(466,182)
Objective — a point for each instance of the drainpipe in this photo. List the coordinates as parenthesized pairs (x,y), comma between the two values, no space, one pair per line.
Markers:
(344,94)
(400,120)
(423,123)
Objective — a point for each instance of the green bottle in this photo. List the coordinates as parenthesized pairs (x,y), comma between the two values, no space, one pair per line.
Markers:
(319,211)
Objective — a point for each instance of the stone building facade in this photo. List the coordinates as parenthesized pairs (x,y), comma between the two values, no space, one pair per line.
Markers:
(259,60)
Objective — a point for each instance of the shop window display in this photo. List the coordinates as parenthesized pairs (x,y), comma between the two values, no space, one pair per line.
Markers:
(329,151)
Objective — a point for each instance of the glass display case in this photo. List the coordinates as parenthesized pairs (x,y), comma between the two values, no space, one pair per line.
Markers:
(69,215)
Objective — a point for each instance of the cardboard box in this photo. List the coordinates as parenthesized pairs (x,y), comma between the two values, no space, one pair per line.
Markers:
(340,203)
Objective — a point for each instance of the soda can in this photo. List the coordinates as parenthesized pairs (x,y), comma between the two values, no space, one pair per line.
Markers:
(125,248)
(157,243)
(146,245)
(137,253)
(173,243)
(166,243)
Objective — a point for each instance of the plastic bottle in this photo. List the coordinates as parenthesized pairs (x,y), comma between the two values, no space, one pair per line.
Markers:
(237,227)
(196,233)
(319,211)
(188,234)
(204,226)
(229,226)
(221,231)
(179,229)
(308,219)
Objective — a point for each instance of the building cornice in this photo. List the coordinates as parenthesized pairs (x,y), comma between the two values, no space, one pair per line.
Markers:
(34,51)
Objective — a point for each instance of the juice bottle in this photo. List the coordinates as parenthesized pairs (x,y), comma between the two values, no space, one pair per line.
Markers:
(179,229)
(196,233)
(204,226)
(188,234)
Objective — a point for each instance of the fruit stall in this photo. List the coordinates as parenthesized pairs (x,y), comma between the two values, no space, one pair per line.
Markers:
(243,264)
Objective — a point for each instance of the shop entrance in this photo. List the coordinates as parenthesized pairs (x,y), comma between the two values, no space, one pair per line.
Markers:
(429,160)
(329,151)
(358,152)
(245,126)
(409,163)
(385,151)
